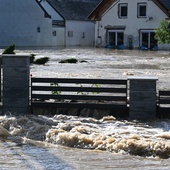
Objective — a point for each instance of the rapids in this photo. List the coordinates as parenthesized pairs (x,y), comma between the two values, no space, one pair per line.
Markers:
(148,139)
(43,142)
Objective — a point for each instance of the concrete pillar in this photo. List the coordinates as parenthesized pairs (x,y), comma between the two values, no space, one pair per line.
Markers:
(142,97)
(16,71)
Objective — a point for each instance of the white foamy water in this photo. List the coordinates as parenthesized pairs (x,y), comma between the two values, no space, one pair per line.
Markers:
(108,134)
(36,143)
(71,142)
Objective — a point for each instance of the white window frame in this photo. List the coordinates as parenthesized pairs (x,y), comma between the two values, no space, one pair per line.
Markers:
(116,35)
(120,10)
(149,39)
(138,10)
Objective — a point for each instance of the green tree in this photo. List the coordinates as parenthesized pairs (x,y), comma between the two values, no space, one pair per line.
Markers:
(162,33)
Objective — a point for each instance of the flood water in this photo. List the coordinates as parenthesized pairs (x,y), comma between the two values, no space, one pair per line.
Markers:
(103,63)
(70,142)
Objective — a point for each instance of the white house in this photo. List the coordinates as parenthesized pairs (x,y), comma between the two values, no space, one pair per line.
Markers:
(24,23)
(129,23)
(71,27)
(46,22)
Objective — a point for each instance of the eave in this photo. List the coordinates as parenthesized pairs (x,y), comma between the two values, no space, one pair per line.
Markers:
(105,4)
(162,7)
(100,9)
(46,15)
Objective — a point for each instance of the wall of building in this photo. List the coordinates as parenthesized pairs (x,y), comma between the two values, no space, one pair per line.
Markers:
(58,32)
(51,11)
(132,23)
(23,23)
(58,36)
(80,33)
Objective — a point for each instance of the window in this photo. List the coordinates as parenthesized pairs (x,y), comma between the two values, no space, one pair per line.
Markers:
(141,10)
(54,33)
(116,39)
(147,40)
(70,33)
(58,23)
(122,10)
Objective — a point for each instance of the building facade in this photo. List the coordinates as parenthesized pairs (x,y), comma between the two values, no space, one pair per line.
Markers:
(24,23)
(129,24)
(51,23)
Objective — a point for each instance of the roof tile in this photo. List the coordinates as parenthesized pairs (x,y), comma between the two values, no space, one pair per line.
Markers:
(74,10)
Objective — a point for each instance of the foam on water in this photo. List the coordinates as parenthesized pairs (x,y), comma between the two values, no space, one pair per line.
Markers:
(108,134)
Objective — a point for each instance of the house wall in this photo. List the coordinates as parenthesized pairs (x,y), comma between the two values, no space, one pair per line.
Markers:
(75,33)
(58,32)
(51,11)
(58,36)
(132,23)
(20,21)
(80,33)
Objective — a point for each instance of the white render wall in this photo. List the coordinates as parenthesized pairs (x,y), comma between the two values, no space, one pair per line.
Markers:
(83,32)
(51,11)
(80,33)
(59,38)
(19,22)
(132,23)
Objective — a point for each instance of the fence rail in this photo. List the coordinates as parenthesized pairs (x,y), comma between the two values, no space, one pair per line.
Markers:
(164,103)
(79,93)
(139,100)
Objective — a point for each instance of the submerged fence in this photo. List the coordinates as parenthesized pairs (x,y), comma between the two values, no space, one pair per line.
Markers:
(134,97)
(79,93)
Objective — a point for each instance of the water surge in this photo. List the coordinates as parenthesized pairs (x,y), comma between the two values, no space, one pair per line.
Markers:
(148,139)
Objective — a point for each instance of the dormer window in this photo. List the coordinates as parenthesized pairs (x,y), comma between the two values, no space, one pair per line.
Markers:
(123,10)
(142,7)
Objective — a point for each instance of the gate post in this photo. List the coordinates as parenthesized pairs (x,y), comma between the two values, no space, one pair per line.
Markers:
(0,79)
(16,70)
(142,97)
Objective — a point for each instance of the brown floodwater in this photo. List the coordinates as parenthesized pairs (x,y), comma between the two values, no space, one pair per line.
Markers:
(63,142)
(103,63)
(71,142)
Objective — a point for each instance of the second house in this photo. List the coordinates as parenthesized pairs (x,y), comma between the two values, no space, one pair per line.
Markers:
(129,24)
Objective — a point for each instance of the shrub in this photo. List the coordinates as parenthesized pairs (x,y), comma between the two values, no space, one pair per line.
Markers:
(83,61)
(71,60)
(9,50)
(32,57)
(41,60)
(162,34)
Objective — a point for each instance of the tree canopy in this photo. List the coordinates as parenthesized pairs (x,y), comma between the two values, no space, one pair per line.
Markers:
(162,33)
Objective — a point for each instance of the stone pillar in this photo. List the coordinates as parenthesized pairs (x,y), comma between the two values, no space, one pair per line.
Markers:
(142,97)
(16,70)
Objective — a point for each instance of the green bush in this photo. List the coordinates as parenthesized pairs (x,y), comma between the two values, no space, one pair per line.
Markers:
(70,60)
(162,34)
(41,60)
(9,50)
(83,61)
(32,58)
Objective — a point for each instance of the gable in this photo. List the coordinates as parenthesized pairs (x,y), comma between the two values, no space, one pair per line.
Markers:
(100,9)
(45,12)
(164,5)
(24,23)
